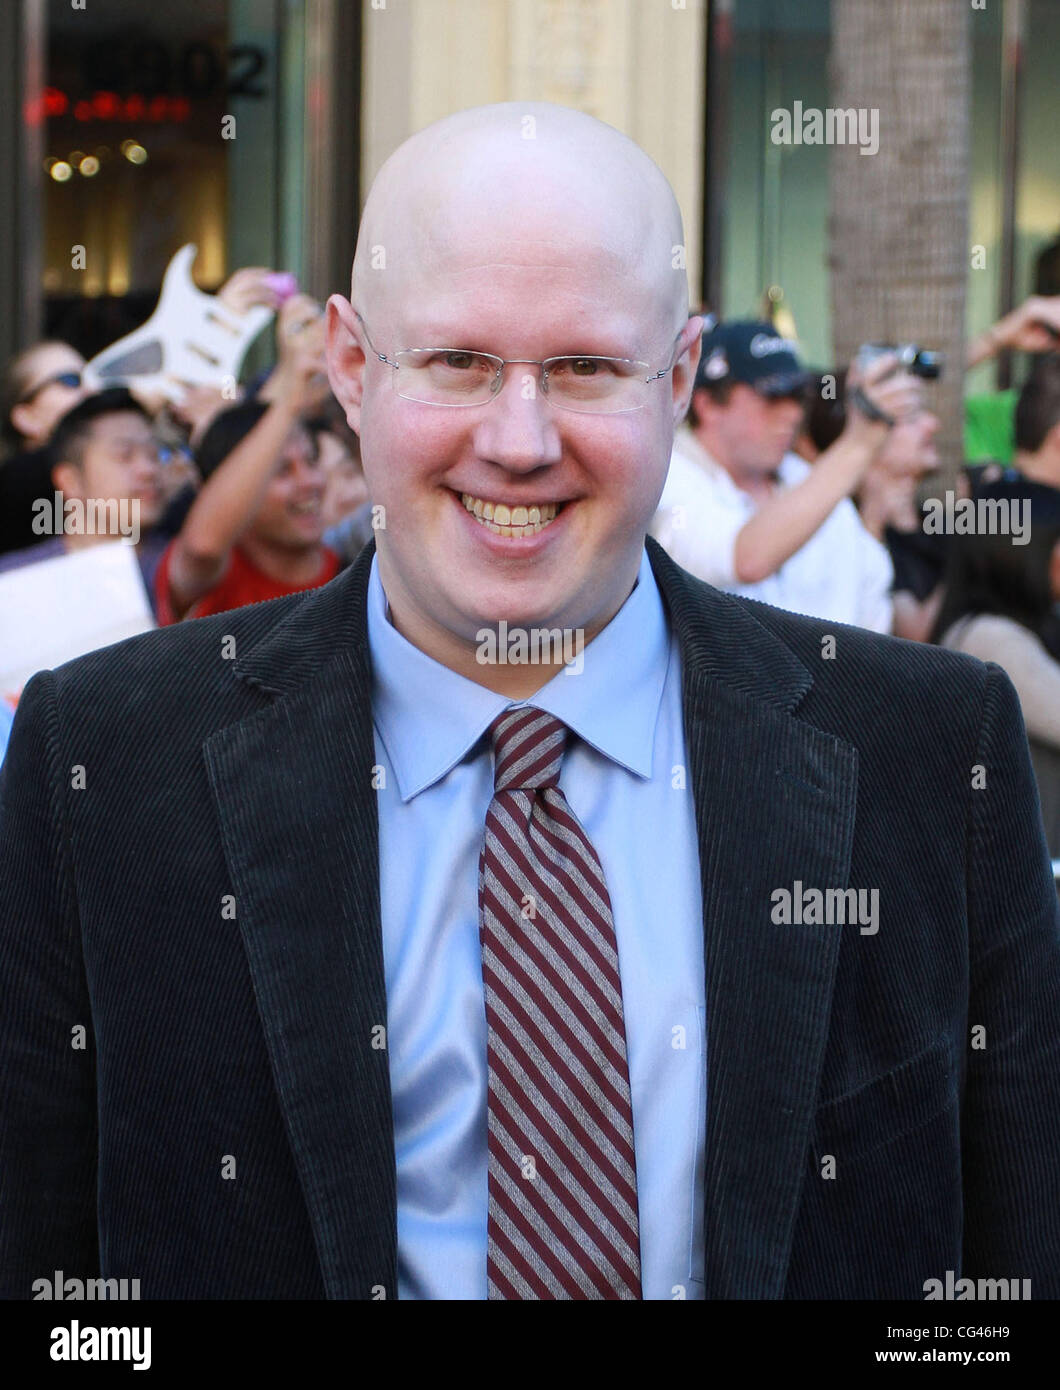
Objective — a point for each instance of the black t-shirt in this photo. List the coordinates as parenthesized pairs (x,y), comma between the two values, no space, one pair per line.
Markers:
(920,558)
(24,478)
(919,561)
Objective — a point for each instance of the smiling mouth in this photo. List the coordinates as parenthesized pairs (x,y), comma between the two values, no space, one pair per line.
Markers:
(505,520)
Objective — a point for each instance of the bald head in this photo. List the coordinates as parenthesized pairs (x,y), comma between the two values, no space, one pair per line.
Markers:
(535,235)
(549,182)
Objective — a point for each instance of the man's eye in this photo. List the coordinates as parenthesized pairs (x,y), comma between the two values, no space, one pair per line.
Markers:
(460,360)
(583,367)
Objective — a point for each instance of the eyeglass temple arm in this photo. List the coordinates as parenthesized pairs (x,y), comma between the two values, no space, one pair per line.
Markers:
(673,358)
(382,356)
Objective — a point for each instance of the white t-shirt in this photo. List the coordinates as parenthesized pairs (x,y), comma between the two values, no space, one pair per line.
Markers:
(842,574)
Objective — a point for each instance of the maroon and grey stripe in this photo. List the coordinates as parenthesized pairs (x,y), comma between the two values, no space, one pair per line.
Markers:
(558,1075)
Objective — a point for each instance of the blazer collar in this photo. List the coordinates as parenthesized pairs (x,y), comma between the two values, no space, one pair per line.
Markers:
(774,803)
(718,636)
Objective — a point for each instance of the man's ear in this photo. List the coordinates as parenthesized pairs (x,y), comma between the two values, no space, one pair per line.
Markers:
(345,358)
(68,479)
(702,403)
(23,419)
(689,347)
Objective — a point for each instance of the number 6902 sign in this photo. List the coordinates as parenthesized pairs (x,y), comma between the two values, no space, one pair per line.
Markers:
(195,69)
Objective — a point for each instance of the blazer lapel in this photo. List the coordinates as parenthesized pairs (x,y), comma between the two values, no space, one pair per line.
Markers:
(298,816)
(775,800)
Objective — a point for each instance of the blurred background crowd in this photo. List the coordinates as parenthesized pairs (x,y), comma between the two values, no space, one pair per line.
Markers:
(837,290)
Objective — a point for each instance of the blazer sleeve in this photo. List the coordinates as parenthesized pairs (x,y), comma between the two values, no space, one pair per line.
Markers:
(48,1132)
(1010,1120)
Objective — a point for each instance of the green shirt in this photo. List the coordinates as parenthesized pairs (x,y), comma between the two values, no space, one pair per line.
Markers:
(989,433)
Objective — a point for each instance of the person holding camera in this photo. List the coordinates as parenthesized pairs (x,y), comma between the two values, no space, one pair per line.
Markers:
(742,511)
(887,500)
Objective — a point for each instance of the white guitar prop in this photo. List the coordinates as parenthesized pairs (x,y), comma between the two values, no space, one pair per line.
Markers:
(191,339)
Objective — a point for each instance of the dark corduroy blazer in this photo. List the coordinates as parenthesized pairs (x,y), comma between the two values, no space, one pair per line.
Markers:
(882,1108)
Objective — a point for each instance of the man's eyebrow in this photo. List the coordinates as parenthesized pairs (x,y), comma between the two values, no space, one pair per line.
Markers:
(583,342)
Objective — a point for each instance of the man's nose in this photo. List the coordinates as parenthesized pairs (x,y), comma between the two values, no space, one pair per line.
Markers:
(148,465)
(517,429)
(308,472)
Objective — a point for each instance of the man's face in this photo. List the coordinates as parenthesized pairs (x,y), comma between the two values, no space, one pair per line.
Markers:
(345,489)
(291,514)
(120,460)
(754,432)
(443,570)
(909,449)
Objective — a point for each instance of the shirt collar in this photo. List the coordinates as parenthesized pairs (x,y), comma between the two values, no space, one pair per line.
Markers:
(429,717)
(790,470)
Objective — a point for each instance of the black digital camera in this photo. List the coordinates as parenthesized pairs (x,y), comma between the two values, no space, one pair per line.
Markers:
(922,362)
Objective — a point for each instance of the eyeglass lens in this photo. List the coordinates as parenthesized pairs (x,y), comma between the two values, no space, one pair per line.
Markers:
(455,376)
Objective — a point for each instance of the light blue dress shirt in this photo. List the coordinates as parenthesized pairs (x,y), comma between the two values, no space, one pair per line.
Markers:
(625,778)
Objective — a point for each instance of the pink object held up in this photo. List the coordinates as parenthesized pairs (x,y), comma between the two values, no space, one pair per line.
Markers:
(283,284)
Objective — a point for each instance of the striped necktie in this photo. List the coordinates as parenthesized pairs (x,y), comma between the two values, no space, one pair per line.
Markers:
(562,1169)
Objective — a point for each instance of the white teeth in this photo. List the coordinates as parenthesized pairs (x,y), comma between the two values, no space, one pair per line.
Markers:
(504,520)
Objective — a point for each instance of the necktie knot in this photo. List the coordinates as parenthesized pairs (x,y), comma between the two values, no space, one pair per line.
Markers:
(528,747)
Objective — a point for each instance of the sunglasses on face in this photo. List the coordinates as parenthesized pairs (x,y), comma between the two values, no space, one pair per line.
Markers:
(71,379)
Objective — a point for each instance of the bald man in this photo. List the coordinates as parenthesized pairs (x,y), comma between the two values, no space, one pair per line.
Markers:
(516,916)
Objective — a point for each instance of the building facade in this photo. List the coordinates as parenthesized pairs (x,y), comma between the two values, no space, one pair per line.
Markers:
(252,128)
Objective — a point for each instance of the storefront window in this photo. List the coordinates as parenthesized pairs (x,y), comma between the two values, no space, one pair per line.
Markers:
(166,123)
(1038,188)
(772,227)
(774,201)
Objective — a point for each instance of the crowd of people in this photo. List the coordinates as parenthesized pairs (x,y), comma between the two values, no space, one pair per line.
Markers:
(802,490)
(236,496)
(797,488)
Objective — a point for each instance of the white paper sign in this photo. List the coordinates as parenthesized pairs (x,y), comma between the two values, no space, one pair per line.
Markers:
(54,610)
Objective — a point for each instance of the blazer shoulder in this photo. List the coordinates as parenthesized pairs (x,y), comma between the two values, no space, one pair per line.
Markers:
(175,651)
(844,654)
(198,675)
(841,677)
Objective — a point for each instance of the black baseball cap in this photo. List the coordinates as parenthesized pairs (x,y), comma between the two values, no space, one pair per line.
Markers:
(751,351)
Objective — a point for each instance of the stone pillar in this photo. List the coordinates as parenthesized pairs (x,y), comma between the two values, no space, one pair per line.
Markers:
(637,64)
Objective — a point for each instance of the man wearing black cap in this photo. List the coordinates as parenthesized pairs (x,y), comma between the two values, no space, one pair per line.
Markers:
(744,513)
